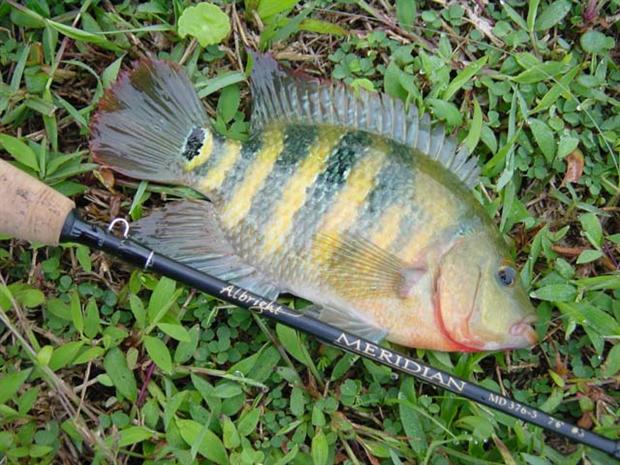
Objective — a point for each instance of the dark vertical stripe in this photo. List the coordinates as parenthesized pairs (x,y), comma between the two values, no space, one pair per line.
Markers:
(351,148)
(297,141)
(394,187)
(237,173)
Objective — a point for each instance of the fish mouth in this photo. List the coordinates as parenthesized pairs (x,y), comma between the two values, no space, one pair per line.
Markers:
(522,335)
(524,330)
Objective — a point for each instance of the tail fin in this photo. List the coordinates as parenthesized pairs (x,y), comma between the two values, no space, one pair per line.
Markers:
(147,123)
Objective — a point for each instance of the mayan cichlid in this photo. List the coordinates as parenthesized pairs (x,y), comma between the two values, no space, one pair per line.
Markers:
(343,198)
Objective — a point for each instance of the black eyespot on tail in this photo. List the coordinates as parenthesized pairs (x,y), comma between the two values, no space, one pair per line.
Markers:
(194,144)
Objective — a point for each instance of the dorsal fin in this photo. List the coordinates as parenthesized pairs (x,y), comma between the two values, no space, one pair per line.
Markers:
(280,96)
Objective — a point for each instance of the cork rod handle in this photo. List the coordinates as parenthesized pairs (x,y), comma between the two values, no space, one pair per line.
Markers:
(29,209)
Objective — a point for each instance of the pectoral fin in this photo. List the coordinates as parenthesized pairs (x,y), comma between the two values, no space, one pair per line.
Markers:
(358,268)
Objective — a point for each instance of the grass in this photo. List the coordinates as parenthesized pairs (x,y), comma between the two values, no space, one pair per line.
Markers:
(531,87)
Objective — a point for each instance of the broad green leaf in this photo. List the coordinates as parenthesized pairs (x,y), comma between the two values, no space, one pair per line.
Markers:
(88,355)
(320,449)
(162,298)
(76,312)
(592,229)
(293,343)
(555,293)
(137,308)
(553,401)
(267,361)
(84,36)
(26,401)
(19,151)
(410,419)
(599,320)
(612,362)
(92,321)
(45,355)
(64,355)
(207,391)
(297,402)
(463,77)
(268,8)
(134,435)
(227,389)
(26,296)
(552,15)
(229,433)
(588,256)
(539,72)
(405,13)
(596,42)
(159,353)
(175,331)
(185,350)
(248,422)
(10,384)
(228,103)
(532,11)
(38,451)
(289,457)
(446,111)
(544,138)
(512,14)
(210,445)
(480,426)
(220,82)
(206,22)
(594,283)
(566,145)
(111,72)
(82,253)
(171,407)
(560,87)
(122,377)
(475,128)
(322,27)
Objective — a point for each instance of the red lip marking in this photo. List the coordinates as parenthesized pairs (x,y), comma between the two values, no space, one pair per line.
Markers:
(439,318)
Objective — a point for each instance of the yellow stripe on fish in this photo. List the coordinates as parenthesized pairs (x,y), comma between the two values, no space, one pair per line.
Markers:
(239,204)
(344,211)
(388,227)
(439,212)
(296,190)
(216,175)
(205,152)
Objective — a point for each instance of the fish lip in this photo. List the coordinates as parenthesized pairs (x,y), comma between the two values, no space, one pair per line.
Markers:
(524,329)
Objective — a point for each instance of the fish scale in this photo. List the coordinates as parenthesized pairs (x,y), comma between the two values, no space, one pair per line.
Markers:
(297,142)
(349,200)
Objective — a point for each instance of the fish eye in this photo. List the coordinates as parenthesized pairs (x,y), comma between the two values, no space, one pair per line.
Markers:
(507,276)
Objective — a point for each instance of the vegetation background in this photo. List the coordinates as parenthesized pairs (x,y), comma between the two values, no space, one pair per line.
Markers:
(104,363)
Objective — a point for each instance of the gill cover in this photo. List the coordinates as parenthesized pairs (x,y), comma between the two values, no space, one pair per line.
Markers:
(475,308)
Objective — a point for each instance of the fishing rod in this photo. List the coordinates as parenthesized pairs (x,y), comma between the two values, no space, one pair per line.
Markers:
(33,211)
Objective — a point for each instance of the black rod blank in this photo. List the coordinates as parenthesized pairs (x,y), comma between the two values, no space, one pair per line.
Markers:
(76,230)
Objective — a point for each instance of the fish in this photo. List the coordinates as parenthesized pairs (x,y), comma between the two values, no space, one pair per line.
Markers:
(344,198)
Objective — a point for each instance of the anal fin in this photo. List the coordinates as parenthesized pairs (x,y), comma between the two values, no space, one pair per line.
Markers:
(349,321)
(189,232)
